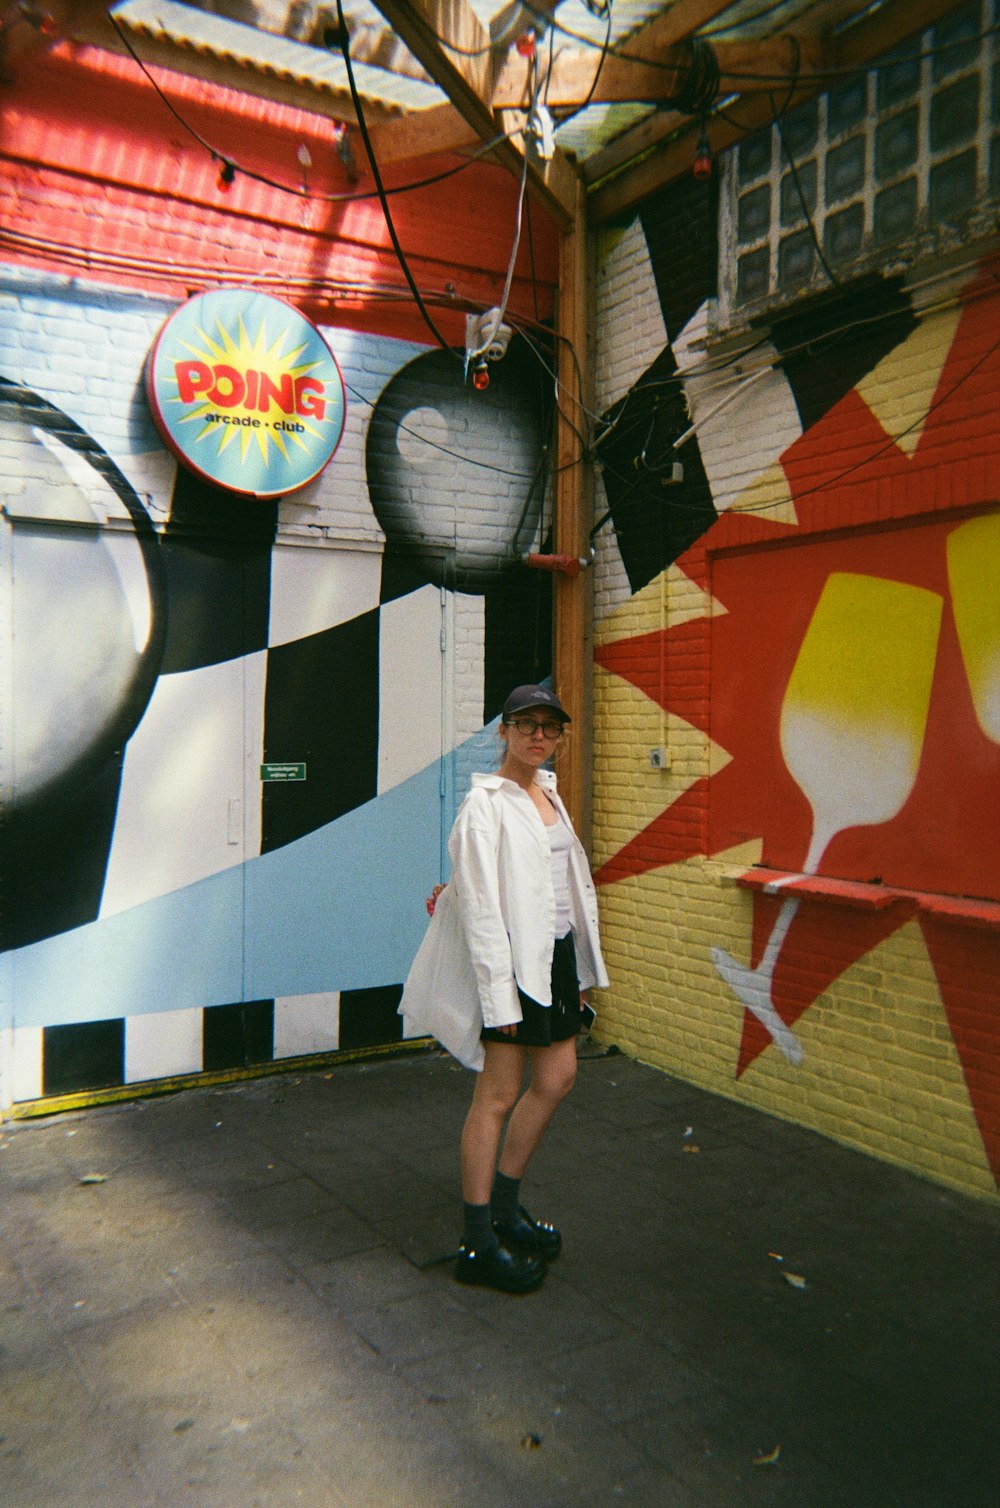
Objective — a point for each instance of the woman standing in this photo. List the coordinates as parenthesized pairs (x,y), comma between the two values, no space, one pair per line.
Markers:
(498,978)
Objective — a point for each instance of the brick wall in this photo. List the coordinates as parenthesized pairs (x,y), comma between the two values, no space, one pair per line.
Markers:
(165,908)
(783,928)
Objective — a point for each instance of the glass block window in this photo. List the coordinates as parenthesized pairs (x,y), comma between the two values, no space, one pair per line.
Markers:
(898,162)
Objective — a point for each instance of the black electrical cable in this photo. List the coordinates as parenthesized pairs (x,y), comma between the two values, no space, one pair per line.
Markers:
(345,47)
(234,166)
(578,109)
(819,75)
(881,449)
(531,259)
(892,441)
(700,86)
(540,476)
(800,192)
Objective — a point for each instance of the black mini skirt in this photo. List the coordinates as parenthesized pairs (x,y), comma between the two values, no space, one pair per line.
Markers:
(541,1025)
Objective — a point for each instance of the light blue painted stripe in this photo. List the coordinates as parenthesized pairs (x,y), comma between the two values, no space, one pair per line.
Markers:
(342,908)
(180,950)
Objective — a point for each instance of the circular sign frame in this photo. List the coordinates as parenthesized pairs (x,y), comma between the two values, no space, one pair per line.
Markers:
(246,393)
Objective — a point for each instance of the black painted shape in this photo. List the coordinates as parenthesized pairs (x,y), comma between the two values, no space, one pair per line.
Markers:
(518,612)
(237,1036)
(216,551)
(321,708)
(369,1018)
(830,344)
(85,1055)
(681,228)
(419,503)
(655,519)
(404,571)
(54,847)
(54,857)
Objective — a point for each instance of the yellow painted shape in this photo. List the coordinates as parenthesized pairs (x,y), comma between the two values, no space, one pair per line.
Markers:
(629,793)
(900,389)
(855,709)
(666,1005)
(881,1071)
(769,496)
(609,237)
(669,599)
(974,578)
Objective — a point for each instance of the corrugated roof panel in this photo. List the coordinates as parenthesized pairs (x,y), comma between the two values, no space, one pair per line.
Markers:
(256,50)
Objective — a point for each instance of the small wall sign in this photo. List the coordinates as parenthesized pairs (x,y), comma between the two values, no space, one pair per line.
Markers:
(277,771)
(246,392)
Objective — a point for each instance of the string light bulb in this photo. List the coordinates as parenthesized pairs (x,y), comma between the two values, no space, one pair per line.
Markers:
(41,19)
(481,376)
(227,175)
(525,43)
(703,162)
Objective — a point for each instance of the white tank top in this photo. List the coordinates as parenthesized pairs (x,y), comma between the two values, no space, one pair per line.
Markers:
(560,844)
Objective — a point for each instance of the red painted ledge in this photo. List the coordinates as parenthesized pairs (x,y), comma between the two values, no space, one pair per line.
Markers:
(865,896)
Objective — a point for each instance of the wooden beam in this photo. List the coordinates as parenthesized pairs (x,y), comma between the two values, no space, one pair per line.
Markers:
(884,29)
(422,133)
(782,55)
(448,39)
(853,48)
(673,25)
(574,507)
(654,39)
(627,80)
(632,144)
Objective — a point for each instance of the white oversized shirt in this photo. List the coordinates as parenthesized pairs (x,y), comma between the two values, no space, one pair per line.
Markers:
(493,927)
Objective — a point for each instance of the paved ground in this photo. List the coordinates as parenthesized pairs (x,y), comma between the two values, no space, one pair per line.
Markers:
(248,1311)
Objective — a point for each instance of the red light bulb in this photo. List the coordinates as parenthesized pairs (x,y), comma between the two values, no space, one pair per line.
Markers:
(703,162)
(525,44)
(480,377)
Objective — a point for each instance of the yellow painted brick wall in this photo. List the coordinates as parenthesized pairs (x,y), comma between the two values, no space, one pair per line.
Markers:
(881,1070)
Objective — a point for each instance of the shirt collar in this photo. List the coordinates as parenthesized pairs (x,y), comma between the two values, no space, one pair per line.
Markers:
(546,779)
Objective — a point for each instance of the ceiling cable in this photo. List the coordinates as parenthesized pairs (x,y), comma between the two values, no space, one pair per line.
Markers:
(345,47)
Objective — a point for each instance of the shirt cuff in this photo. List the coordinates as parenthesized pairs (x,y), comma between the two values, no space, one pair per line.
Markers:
(503,1011)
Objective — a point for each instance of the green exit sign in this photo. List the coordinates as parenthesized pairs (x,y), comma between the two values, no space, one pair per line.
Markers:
(285,771)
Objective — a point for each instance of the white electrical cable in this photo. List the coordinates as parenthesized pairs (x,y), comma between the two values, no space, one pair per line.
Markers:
(491,332)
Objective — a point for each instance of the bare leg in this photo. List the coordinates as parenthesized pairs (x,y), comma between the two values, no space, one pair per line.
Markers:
(553,1074)
(496,1091)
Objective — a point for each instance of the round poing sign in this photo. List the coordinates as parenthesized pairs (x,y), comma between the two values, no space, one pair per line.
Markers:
(246,392)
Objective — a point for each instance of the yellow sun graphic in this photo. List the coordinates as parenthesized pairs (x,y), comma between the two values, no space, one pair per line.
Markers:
(256,384)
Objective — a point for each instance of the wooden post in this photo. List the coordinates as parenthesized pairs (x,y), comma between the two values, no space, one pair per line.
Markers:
(573,596)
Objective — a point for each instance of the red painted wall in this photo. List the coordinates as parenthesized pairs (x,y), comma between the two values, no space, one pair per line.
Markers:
(99,179)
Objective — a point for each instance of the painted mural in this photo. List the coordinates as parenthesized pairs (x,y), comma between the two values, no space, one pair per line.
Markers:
(153,885)
(823,621)
(234,728)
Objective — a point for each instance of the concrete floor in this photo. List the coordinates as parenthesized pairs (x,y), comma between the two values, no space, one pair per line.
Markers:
(250,1308)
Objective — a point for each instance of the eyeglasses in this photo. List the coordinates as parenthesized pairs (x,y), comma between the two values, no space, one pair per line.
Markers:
(527,726)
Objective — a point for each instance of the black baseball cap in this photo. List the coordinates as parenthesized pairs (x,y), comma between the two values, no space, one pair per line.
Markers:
(524,697)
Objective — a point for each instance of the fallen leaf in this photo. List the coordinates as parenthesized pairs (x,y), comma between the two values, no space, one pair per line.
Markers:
(94,1178)
(795,1279)
(530,1441)
(771,1459)
(690,1147)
